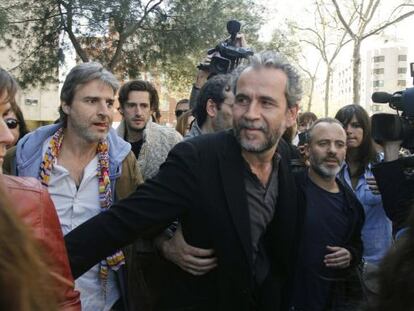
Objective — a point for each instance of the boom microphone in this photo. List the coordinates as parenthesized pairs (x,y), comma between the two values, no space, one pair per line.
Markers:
(381,97)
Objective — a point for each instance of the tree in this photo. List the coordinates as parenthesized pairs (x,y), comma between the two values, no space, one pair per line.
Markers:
(128,36)
(310,81)
(358,28)
(327,38)
(288,43)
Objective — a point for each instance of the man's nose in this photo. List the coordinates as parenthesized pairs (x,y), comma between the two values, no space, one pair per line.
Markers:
(105,109)
(332,148)
(253,110)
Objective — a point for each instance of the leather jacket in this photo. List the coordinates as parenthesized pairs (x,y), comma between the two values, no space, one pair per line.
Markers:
(33,204)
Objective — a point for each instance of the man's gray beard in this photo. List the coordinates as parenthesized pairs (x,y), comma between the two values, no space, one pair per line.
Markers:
(325,172)
(268,144)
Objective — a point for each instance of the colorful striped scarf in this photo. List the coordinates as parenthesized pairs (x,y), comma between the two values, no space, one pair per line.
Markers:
(105,193)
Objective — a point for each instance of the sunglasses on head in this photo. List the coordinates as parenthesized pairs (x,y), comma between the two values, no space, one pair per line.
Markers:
(11,123)
(180,112)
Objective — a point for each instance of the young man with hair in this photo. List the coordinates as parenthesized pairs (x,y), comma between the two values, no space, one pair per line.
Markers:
(331,246)
(213,111)
(150,141)
(86,167)
(232,191)
(33,205)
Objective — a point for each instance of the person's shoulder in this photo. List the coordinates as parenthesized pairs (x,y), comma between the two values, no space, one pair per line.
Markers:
(218,139)
(22,183)
(207,145)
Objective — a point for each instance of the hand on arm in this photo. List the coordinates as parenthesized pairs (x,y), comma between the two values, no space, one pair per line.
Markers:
(197,261)
(338,257)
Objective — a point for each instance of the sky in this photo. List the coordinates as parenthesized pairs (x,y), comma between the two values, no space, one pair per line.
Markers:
(277,11)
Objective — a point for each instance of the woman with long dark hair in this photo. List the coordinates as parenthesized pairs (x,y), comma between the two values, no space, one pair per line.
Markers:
(360,155)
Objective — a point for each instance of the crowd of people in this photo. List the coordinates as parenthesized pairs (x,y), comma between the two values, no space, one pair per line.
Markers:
(246,205)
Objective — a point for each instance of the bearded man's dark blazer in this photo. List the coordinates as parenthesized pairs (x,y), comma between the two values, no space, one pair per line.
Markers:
(202,184)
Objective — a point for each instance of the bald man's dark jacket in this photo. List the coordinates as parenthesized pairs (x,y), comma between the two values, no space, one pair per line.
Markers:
(202,183)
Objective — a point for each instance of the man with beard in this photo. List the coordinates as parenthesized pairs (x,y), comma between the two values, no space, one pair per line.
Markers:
(213,111)
(150,141)
(85,166)
(331,245)
(233,192)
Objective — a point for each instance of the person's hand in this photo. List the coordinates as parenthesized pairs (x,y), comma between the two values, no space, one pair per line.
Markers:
(241,40)
(372,185)
(197,261)
(339,257)
(202,74)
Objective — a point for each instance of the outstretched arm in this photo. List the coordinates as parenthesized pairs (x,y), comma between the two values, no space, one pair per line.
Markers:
(154,205)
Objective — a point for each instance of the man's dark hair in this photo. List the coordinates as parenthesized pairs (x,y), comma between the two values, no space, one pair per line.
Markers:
(182,101)
(306,117)
(213,89)
(140,86)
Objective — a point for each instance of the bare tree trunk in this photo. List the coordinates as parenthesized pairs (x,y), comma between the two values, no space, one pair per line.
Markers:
(356,72)
(311,94)
(68,27)
(327,87)
(117,56)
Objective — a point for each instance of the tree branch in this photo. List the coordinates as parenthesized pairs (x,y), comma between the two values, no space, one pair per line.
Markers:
(68,28)
(128,32)
(342,19)
(398,19)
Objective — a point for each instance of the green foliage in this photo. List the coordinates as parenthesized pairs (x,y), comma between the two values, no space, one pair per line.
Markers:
(169,37)
(33,35)
(285,42)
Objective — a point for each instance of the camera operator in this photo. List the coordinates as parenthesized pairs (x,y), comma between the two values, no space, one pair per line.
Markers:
(209,67)
(395,176)
(395,180)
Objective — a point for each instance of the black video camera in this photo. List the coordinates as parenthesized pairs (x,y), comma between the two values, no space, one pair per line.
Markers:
(390,127)
(229,54)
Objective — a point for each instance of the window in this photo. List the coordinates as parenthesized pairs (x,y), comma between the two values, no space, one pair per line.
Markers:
(401,83)
(376,108)
(31,102)
(378,83)
(402,70)
(378,59)
(378,71)
(402,58)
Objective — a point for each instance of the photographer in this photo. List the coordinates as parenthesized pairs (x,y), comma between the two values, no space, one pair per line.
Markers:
(395,175)
(396,184)
(396,274)
(222,59)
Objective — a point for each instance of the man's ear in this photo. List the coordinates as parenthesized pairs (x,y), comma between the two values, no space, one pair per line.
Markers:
(211,108)
(65,107)
(291,115)
(121,111)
